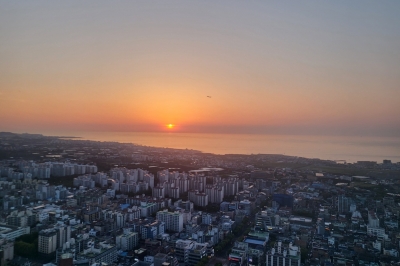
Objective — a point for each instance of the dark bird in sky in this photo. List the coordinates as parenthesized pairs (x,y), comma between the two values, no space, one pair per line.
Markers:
(208,96)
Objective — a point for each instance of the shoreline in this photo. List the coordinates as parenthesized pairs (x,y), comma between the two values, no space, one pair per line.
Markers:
(339,150)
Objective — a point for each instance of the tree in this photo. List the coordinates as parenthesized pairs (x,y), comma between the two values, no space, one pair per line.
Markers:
(27,245)
(304,254)
(203,261)
(26,250)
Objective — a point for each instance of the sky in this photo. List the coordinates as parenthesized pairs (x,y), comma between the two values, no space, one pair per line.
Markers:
(269,67)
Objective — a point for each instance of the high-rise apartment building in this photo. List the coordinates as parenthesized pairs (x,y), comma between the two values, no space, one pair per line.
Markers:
(343,204)
(127,241)
(373,220)
(53,238)
(198,198)
(158,192)
(173,220)
(215,194)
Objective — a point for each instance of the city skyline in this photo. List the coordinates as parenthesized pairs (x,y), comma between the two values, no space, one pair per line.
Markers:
(201,67)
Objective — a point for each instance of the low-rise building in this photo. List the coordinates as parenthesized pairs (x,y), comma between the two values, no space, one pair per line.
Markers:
(282,255)
(190,252)
(98,253)
(12,232)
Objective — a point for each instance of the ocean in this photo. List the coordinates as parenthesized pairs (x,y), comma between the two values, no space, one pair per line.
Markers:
(350,149)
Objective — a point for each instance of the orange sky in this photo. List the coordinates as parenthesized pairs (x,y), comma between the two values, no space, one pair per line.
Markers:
(280,68)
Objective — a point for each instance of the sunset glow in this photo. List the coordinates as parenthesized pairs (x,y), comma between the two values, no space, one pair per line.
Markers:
(283,68)
(179,122)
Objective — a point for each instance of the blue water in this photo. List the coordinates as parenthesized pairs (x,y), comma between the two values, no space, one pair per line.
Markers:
(351,149)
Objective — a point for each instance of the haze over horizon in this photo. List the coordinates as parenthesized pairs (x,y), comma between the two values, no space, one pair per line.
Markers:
(284,67)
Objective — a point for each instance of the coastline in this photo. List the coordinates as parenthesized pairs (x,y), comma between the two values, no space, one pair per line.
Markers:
(338,149)
(334,148)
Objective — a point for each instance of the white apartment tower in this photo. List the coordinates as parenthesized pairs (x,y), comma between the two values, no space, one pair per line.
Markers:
(127,241)
(51,239)
(173,220)
(198,199)
(158,192)
(373,220)
(215,194)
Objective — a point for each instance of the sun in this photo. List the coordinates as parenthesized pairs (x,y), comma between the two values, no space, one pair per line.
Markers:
(170,126)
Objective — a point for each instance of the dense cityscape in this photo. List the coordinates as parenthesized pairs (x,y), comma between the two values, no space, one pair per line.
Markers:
(199,133)
(66,201)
